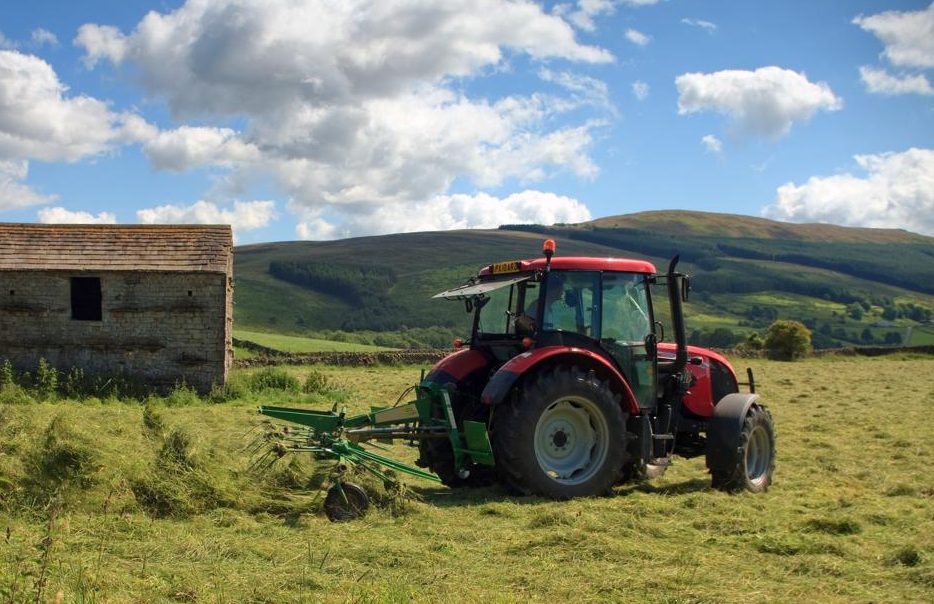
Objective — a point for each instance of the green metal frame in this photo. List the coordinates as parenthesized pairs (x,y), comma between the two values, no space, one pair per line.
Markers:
(334,435)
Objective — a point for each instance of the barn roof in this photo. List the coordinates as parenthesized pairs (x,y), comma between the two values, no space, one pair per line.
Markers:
(85,247)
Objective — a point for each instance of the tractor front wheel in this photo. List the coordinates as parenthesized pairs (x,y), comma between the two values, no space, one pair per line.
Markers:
(754,459)
(564,437)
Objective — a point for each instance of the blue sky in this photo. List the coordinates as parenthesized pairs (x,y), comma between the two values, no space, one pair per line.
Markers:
(320,120)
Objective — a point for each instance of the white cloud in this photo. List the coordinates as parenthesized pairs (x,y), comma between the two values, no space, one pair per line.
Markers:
(880,81)
(191,147)
(43,37)
(359,103)
(316,229)
(764,102)
(585,89)
(245,215)
(705,25)
(908,36)
(38,120)
(587,10)
(60,215)
(6,43)
(897,191)
(712,144)
(445,212)
(231,57)
(640,89)
(101,42)
(13,193)
(637,37)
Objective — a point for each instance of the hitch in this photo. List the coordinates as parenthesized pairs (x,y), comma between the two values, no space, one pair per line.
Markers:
(333,435)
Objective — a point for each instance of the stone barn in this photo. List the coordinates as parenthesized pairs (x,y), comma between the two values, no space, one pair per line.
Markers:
(150,302)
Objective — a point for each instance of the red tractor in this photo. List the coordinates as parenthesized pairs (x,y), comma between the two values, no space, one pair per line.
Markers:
(567,370)
(565,390)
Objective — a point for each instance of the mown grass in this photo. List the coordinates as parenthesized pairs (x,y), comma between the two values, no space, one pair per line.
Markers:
(850,516)
(299,344)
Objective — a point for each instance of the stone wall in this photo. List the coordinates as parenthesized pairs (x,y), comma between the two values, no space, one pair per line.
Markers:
(159,327)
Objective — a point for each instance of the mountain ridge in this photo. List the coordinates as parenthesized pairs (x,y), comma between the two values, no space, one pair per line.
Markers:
(746,270)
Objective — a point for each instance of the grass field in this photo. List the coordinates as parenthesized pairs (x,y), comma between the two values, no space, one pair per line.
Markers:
(298,344)
(849,518)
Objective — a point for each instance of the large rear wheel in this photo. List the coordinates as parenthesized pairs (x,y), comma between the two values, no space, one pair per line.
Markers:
(564,437)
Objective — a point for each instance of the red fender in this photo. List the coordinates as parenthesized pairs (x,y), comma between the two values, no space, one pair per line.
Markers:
(503,380)
(457,366)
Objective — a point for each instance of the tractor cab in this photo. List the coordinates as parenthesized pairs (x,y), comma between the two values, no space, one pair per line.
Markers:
(599,305)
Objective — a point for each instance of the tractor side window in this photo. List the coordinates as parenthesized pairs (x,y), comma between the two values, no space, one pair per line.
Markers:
(626,322)
(625,308)
(570,303)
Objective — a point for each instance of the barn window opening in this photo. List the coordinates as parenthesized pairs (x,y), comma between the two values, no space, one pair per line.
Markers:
(86,298)
(189,293)
(12,292)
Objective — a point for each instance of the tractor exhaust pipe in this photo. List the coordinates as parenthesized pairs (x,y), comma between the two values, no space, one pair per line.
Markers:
(676,292)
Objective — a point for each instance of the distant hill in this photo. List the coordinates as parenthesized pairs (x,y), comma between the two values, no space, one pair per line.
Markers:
(850,285)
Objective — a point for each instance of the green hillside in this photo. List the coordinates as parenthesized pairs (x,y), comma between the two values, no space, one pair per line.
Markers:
(851,286)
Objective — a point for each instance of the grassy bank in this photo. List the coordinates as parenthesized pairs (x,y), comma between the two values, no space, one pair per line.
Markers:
(109,501)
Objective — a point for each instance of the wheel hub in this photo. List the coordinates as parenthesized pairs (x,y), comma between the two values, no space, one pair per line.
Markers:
(571,440)
(560,439)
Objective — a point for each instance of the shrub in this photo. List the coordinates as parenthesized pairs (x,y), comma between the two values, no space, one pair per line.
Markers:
(230,391)
(74,385)
(788,340)
(273,378)
(46,379)
(7,377)
(316,383)
(754,341)
(182,395)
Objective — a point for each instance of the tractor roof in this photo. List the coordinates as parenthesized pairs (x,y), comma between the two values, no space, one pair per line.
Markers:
(570,263)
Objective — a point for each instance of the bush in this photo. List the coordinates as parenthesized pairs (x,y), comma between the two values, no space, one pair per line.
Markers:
(230,391)
(273,378)
(754,341)
(316,383)
(46,380)
(788,340)
(182,395)
(7,377)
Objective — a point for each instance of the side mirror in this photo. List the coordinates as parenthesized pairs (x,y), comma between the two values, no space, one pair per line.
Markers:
(685,288)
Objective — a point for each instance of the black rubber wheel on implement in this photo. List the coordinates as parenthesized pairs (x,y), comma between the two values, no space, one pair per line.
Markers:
(564,437)
(754,460)
(345,501)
